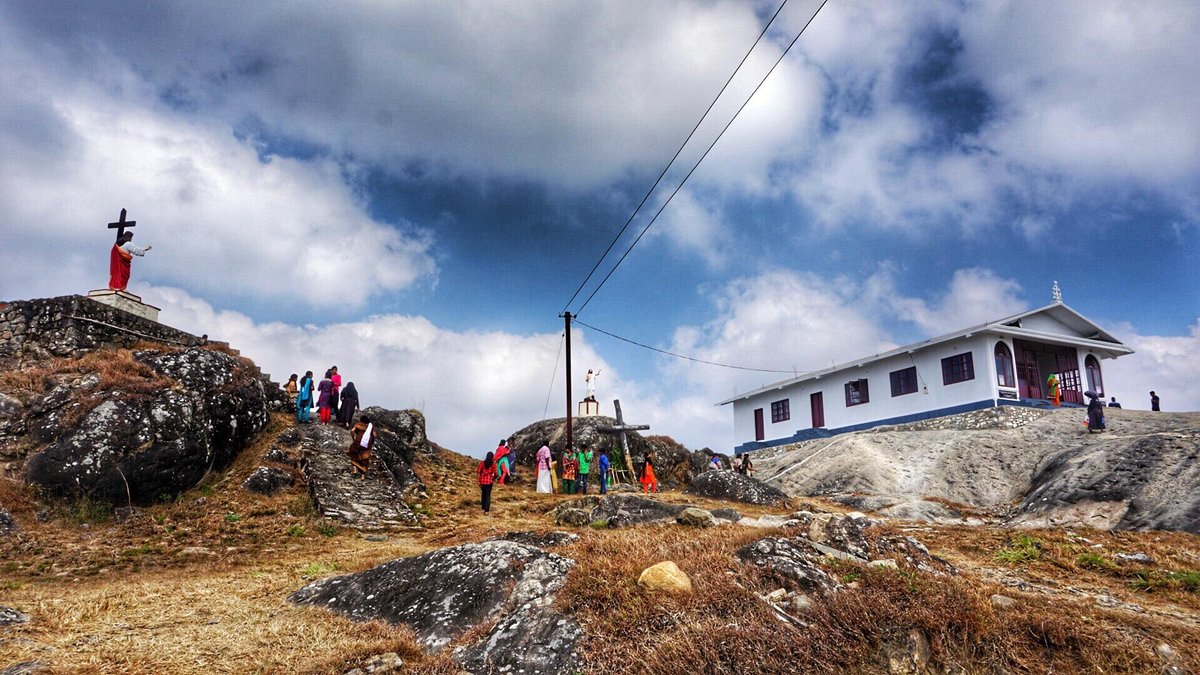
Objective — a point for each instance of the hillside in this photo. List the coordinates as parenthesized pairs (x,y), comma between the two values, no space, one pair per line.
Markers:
(273,558)
(1032,467)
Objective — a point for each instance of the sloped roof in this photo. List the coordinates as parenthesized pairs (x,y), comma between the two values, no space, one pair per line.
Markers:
(1094,337)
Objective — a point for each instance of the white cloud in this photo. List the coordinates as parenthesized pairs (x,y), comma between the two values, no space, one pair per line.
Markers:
(220,220)
(975,296)
(1167,365)
(474,387)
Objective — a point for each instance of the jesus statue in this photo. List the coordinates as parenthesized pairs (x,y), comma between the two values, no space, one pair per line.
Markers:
(119,262)
(590,378)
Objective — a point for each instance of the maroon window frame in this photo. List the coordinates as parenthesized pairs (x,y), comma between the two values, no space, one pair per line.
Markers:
(857,393)
(781,411)
(1005,374)
(904,381)
(958,368)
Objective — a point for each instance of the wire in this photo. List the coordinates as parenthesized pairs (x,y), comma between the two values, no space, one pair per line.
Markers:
(673,158)
(681,356)
(553,375)
(697,164)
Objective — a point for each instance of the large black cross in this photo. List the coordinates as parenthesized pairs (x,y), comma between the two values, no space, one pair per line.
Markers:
(620,428)
(120,226)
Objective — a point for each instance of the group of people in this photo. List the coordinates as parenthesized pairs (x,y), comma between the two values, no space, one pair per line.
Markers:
(334,404)
(740,463)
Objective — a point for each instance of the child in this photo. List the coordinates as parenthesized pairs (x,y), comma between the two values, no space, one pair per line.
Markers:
(649,482)
(487,475)
(603,471)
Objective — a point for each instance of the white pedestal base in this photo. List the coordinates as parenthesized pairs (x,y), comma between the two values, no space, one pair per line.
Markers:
(126,302)
(588,408)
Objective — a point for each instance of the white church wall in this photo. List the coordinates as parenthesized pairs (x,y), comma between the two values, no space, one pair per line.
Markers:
(931,394)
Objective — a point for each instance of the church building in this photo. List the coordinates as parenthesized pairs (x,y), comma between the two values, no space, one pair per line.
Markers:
(1002,362)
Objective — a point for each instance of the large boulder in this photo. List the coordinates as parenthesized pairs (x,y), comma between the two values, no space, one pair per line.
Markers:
(620,510)
(665,577)
(731,485)
(584,431)
(400,439)
(141,436)
(444,593)
(267,480)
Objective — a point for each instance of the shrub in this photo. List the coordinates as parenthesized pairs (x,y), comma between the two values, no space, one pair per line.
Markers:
(1022,549)
(296,531)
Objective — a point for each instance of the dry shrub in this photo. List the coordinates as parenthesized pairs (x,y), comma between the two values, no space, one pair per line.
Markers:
(17,497)
(724,626)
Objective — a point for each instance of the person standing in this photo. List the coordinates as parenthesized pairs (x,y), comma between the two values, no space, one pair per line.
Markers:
(715,464)
(1112,403)
(1095,409)
(487,476)
(585,468)
(747,466)
(325,398)
(570,465)
(349,404)
(362,438)
(292,389)
(1154,402)
(649,482)
(1052,389)
(335,401)
(543,461)
(603,466)
(502,460)
(304,399)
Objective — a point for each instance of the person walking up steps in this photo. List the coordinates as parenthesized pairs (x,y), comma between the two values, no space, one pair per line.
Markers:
(304,399)
(362,438)
(487,476)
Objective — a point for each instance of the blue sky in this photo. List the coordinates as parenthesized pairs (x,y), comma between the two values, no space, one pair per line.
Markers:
(413,192)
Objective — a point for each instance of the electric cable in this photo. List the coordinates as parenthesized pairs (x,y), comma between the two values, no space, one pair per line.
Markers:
(673,158)
(681,356)
(698,162)
(554,374)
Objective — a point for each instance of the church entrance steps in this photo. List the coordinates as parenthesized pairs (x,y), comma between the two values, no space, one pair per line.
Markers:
(372,504)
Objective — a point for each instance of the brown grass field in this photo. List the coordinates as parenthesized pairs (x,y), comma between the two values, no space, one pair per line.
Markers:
(198,585)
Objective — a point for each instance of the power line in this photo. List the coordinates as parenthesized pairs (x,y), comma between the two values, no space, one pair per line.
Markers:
(554,374)
(673,158)
(697,164)
(681,356)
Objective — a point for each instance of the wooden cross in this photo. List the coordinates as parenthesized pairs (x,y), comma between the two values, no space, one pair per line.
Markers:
(120,226)
(620,428)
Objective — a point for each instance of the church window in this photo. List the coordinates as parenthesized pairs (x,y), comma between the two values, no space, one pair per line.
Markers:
(904,381)
(1095,382)
(1004,366)
(958,368)
(857,393)
(781,411)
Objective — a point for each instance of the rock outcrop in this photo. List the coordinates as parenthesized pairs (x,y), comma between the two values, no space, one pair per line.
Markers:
(1141,473)
(7,524)
(267,480)
(730,485)
(444,593)
(584,431)
(377,501)
(144,428)
(623,510)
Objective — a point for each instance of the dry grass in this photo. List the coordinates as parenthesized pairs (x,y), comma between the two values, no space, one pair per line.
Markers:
(125,598)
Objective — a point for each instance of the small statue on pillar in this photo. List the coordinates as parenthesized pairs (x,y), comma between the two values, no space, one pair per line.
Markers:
(590,378)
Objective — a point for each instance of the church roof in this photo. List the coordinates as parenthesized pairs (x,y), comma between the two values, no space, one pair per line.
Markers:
(1087,334)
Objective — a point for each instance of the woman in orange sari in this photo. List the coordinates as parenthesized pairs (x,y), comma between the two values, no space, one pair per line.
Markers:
(649,482)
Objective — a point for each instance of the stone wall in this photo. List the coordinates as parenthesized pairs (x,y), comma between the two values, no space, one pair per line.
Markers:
(1000,417)
(72,325)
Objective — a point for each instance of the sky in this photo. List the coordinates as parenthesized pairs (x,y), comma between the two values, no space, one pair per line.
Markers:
(414,191)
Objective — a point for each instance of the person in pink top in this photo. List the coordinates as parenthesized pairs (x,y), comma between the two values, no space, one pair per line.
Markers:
(337,388)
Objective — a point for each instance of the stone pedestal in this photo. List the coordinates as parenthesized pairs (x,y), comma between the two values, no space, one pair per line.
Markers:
(125,301)
(589,407)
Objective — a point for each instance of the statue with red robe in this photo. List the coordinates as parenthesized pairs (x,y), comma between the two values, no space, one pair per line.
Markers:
(120,259)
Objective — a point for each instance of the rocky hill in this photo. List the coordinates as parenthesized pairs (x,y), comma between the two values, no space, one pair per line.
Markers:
(244,544)
(1033,467)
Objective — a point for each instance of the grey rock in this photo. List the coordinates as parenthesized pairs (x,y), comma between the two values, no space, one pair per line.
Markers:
(1139,558)
(695,517)
(444,593)
(793,560)
(281,456)
(575,517)
(267,480)
(622,510)
(378,502)
(540,539)
(12,617)
(26,668)
(7,524)
(733,486)
(1002,601)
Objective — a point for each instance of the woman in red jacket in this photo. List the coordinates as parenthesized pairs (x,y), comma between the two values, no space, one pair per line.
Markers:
(487,476)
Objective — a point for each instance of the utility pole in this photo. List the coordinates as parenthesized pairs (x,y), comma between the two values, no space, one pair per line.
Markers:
(567,322)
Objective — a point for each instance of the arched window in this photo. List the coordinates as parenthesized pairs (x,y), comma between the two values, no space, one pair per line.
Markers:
(1095,382)
(1004,366)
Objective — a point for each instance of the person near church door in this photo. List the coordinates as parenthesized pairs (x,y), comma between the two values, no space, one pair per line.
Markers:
(1052,389)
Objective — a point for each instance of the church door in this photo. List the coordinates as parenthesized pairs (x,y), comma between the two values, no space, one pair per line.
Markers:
(760,431)
(818,409)
(1029,377)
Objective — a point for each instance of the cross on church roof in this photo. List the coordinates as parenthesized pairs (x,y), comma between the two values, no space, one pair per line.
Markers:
(1056,293)
(120,226)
